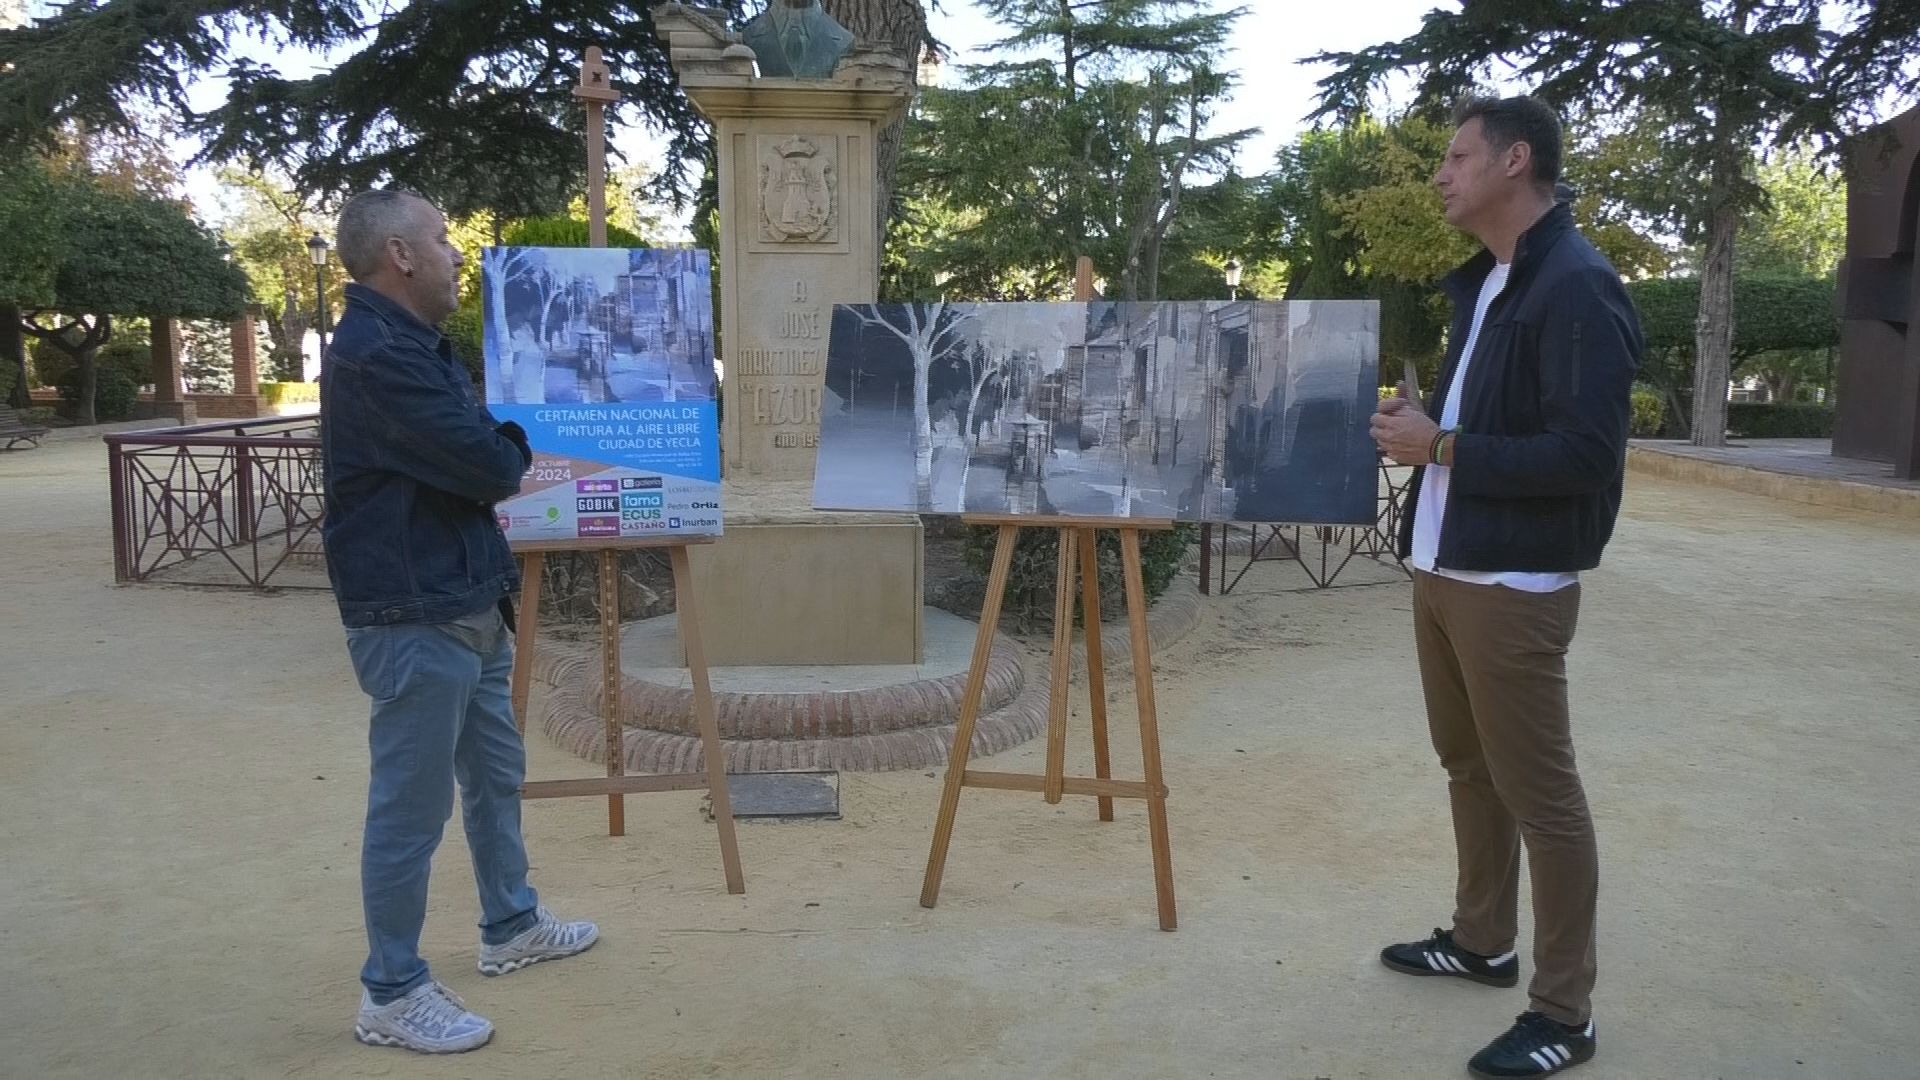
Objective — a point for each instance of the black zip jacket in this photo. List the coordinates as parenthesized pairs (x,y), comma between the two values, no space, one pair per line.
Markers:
(1540,454)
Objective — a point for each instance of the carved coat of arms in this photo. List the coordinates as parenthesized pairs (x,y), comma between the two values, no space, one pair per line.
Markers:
(797,189)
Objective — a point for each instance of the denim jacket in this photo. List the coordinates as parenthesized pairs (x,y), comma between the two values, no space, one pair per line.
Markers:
(413,464)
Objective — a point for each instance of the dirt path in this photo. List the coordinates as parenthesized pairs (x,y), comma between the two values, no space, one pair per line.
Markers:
(182,776)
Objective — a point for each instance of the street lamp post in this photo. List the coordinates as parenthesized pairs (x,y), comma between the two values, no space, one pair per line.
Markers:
(317,249)
(1233,279)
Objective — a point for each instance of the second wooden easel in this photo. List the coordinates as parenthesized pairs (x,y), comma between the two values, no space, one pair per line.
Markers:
(1079,543)
(597,92)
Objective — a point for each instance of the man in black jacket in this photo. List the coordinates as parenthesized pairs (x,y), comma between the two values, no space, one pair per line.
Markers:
(1523,450)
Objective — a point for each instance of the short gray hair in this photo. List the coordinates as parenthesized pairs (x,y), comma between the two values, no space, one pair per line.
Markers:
(368,221)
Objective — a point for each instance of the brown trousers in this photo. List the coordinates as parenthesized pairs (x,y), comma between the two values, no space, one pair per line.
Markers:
(1493,665)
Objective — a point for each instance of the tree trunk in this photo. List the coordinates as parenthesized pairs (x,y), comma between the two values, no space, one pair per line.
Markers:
(13,353)
(898,27)
(1713,327)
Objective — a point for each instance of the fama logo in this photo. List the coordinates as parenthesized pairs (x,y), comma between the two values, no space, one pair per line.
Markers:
(644,500)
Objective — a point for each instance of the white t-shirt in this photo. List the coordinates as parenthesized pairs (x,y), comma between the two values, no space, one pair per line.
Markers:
(1431,512)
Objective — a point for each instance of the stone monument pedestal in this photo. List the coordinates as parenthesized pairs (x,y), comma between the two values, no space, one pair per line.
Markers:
(788,584)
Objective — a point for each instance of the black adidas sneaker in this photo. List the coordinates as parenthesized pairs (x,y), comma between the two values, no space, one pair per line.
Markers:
(1536,1045)
(1438,955)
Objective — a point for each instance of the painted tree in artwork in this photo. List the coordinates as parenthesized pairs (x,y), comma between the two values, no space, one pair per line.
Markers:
(522,268)
(928,331)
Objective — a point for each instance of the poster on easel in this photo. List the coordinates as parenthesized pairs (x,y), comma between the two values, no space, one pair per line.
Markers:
(1201,411)
(605,356)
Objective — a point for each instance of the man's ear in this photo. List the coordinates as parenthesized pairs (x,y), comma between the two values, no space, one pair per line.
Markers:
(401,254)
(1519,158)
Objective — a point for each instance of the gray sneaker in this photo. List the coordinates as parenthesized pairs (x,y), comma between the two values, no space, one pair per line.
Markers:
(430,1019)
(547,939)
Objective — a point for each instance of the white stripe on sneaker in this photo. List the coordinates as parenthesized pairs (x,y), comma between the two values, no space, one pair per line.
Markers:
(1455,962)
(1541,1059)
(1496,961)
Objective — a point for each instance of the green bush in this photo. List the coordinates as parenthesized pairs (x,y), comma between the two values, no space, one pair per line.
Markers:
(1748,420)
(564,232)
(49,362)
(1030,581)
(1649,413)
(114,391)
(463,330)
(289,393)
(131,355)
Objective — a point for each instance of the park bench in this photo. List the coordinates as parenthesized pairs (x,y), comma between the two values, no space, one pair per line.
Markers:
(15,429)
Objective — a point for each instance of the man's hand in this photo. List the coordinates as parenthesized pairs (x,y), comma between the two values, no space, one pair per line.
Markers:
(1403,432)
(514,434)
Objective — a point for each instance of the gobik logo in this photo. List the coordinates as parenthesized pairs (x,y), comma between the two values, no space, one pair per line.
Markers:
(597,504)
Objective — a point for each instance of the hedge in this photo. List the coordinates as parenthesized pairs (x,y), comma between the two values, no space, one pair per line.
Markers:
(290,393)
(1028,604)
(1748,420)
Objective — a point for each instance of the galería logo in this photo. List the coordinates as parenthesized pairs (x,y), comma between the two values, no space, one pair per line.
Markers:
(639,483)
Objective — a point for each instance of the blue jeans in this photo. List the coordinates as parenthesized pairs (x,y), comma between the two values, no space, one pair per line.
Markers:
(442,709)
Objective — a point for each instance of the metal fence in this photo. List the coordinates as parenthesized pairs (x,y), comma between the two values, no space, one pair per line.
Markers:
(235,504)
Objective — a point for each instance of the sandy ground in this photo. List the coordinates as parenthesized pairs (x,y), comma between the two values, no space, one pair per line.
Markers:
(182,775)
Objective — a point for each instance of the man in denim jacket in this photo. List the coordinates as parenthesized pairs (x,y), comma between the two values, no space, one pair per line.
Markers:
(423,576)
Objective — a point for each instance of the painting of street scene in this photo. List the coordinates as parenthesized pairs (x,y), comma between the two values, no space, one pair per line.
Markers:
(594,325)
(1189,411)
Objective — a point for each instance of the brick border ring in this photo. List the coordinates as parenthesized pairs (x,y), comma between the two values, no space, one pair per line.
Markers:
(907,725)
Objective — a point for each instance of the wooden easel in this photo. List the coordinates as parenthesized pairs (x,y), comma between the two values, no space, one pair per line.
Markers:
(597,92)
(1078,543)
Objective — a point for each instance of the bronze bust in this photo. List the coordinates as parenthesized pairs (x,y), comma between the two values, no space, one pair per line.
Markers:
(796,39)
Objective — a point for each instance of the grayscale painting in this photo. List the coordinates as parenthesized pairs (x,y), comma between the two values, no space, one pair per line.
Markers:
(584,326)
(1193,410)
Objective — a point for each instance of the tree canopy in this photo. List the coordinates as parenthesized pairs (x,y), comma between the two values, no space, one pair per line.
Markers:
(98,253)
(1720,78)
(1087,139)
(467,101)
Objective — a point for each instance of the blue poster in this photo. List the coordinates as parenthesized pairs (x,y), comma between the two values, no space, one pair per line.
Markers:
(606,357)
